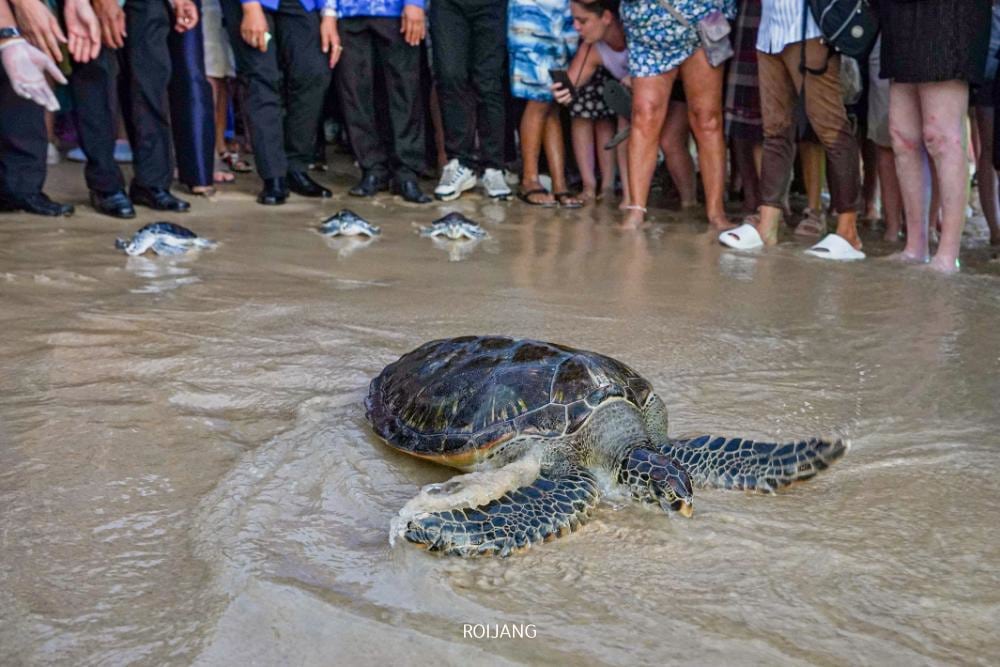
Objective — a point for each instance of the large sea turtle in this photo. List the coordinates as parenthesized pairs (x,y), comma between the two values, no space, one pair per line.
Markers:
(545,430)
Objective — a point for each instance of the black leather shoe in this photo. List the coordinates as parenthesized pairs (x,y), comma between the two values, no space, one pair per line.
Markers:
(300,183)
(275,192)
(411,192)
(37,203)
(157,198)
(369,184)
(116,204)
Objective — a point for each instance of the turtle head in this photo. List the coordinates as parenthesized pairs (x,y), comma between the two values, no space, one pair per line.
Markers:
(652,477)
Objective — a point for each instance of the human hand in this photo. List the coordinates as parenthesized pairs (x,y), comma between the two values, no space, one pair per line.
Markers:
(414,25)
(26,67)
(185,15)
(40,27)
(330,39)
(253,28)
(561,94)
(112,19)
(84,30)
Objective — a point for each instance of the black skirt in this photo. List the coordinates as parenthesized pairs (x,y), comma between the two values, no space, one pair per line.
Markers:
(934,40)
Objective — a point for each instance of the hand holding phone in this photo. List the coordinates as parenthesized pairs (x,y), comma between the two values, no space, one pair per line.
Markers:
(561,77)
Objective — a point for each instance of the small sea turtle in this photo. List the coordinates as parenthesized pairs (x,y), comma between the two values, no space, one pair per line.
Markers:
(454,226)
(163,238)
(547,430)
(349,223)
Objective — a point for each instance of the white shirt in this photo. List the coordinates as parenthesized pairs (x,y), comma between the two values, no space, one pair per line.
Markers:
(781,25)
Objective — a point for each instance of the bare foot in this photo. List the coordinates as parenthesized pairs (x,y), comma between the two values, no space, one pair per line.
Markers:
(720,223)
(904,257)
(945,265)
(635,218)
(891,235)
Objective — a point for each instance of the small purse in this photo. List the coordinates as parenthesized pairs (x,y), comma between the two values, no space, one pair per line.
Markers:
(713,31)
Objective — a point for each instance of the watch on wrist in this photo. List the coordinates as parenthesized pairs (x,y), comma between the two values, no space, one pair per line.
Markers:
(328,13)
(9,32)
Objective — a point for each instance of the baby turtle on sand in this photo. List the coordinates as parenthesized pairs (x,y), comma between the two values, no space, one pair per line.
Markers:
(348,223)
(163,238)
(454,226)
(547,430)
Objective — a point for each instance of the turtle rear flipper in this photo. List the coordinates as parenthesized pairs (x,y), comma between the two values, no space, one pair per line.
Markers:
(736,463)
(555,503)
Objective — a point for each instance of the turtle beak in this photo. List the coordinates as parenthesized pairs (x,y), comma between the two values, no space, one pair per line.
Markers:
(686,509)
(683,506)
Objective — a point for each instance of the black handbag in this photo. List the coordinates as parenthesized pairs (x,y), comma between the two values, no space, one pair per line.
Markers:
(849,26)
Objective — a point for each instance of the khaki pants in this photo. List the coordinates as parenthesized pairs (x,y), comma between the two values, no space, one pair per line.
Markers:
(780,86)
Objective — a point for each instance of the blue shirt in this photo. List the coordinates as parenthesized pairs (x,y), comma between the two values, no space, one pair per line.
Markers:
(348,8)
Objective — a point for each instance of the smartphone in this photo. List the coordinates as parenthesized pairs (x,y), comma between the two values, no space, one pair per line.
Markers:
(561,77)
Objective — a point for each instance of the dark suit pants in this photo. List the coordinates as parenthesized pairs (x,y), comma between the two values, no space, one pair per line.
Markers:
(366,41)
(469,44)
(294,73)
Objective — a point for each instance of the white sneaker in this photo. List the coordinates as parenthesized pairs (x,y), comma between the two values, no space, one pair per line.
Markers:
(456,178)
(76,155)
(495,184)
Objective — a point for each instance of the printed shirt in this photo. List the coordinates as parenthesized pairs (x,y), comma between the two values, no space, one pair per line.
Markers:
(781,25)
(349,8)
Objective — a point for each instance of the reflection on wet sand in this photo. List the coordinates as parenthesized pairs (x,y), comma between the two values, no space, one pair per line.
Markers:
(186,474)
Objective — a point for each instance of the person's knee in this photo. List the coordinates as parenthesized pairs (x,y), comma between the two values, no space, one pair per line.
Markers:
(940,139)
(904,140)
(646,111)
(706,121)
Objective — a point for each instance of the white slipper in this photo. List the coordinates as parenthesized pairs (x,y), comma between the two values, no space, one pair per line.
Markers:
(837,248)
(744,237)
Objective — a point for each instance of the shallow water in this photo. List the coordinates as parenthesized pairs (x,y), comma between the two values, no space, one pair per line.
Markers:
(186,475)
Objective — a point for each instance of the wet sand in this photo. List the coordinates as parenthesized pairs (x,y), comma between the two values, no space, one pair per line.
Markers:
(186,475)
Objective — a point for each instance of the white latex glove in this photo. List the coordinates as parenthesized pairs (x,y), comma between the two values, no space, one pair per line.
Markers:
(26,68)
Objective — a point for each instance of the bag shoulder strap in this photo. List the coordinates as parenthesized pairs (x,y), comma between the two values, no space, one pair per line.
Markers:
(676,14)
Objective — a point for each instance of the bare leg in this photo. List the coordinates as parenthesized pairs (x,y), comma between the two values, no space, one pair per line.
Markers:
(674,142)
(650,97)
(703,87)
(946,104)
(532,128)
(555,154)
(604,129)
(582,130)
(986,175)
(892,198)
(869,186)
(621,153)
(747,165)
(905,125)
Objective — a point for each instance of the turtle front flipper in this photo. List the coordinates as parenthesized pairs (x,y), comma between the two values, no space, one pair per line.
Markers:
(736,463)
(557,502)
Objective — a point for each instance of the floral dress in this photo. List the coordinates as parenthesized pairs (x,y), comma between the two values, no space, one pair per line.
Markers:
(657,42)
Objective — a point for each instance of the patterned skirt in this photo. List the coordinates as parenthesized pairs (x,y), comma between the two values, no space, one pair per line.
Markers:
(657,42)
(742,95)
(589,100)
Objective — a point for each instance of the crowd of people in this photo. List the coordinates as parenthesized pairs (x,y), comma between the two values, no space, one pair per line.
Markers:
(470,87)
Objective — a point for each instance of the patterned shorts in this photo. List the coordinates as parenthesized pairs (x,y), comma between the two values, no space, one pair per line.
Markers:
(540,37)
(657,42)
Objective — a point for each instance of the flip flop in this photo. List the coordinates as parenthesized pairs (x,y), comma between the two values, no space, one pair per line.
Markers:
(744,237)
(618,98)
(567,200)
(620,136)
(837,248)
(525,196)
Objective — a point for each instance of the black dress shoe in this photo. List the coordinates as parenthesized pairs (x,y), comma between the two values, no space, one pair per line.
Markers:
(116,204)
(411,192)
(157,198)
(300,183)
(369,184)
(37,203)
(275,192)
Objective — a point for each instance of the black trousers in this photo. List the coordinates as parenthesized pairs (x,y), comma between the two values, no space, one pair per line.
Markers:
(469,44)
(291,77)
(148,71)
(23,142)
(367,40)
(95,107)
